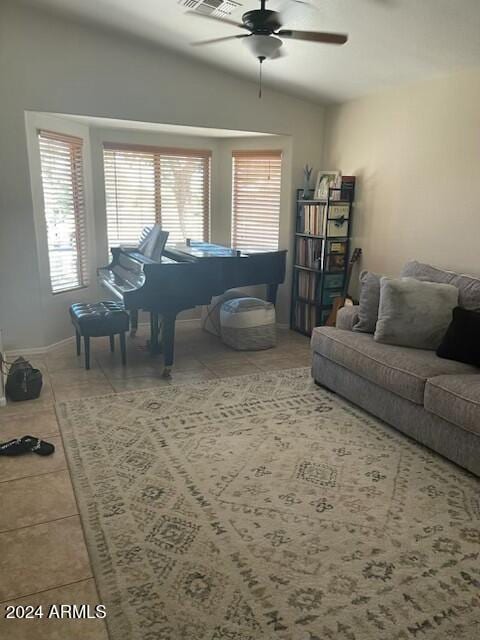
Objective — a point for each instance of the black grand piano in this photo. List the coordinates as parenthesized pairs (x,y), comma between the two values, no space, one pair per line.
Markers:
(185,276)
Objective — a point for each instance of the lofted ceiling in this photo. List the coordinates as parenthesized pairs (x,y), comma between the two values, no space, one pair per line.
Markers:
(177,129)
(391,42)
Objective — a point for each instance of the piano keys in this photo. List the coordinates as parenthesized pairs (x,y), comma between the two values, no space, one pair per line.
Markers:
(186,276)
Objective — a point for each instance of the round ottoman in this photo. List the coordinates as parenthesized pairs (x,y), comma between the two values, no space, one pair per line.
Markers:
(248,324)
(211,313)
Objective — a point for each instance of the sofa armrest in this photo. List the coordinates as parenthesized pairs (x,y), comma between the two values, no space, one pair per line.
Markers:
(347,317)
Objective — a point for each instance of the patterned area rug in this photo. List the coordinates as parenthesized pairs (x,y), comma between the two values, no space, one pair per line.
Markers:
(264,507)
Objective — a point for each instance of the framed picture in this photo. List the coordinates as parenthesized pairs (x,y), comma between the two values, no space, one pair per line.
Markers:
(336,262)
(325,180)
(336,247)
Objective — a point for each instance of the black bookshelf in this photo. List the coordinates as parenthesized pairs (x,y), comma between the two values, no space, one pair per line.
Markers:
(321,250)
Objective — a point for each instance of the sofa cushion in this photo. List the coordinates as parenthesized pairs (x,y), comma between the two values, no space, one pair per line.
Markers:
(347,316)
(455,399)
(468,286)
(402,370)
(369,302)
(414,313)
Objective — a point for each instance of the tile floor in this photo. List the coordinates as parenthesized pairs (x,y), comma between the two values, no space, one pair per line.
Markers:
(43,558)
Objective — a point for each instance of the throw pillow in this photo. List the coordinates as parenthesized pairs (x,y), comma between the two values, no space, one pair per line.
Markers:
(462,340)
(468,286)
(369,300)
(414,313)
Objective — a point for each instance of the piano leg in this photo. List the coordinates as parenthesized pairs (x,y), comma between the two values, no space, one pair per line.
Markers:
(154,331)
(272,293)
(168,341)
(133,323)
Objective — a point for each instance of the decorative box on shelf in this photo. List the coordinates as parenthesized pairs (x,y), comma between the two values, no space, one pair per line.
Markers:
(322,241)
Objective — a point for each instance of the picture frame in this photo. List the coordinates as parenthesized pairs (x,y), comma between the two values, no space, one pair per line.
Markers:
(337,246)
(336,262)
(325,180)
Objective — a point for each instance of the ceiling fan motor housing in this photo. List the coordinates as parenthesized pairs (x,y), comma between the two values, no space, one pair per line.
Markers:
(263,22)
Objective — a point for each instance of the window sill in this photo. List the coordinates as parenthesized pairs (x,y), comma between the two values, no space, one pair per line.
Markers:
(78,288)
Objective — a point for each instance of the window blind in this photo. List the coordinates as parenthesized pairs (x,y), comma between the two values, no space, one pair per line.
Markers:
(61,159)
(256,186)
(144,185)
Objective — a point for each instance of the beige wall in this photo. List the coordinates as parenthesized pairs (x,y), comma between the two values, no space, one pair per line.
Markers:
(52,65)
(416,152)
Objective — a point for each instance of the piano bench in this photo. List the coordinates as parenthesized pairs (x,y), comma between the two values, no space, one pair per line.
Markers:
(97,320)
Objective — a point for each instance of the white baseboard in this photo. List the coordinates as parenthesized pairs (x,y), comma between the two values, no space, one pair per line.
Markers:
(40,351)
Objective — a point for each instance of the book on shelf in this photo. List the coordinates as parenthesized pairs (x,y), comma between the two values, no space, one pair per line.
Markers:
(305,316)
(309,252)
(307,285)
(346,189)
(311,219)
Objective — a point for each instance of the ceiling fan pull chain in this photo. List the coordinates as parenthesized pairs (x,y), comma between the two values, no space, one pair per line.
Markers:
(261,59)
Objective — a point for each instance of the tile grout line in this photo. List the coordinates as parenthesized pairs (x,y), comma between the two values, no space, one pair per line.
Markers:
(28,526)
(35,524)
(58,586)
(34,475)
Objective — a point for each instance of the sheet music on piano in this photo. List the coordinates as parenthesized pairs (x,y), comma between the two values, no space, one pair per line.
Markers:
(153,243)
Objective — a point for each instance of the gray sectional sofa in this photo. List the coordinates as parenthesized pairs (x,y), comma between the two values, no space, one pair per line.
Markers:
(433,400)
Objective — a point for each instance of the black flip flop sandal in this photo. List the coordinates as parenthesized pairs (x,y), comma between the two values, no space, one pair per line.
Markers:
(38,446)
(15,447)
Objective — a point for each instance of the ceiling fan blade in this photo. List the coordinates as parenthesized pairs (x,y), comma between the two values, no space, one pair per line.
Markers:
(216,18)
(214,40)
(313,36)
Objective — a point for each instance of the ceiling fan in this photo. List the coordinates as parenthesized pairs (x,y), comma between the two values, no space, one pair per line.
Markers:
(265,34)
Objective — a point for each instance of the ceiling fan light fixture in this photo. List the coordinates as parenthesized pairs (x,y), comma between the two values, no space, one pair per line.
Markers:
(263,46)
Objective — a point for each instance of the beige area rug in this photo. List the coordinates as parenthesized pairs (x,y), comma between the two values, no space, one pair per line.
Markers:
(264,507)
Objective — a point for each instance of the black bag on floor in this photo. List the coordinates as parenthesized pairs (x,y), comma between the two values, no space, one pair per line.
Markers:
(23,381)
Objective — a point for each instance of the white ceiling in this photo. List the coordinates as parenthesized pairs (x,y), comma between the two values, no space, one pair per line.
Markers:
(392,42)
(183,130)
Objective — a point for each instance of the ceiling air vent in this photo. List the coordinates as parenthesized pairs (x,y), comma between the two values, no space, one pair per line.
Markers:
(218,8)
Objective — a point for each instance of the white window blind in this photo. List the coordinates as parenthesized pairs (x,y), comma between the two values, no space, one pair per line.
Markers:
(61,160)
(256,186)
(144,185)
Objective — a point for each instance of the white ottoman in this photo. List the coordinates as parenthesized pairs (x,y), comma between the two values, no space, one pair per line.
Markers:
(248,324)
(211,313)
